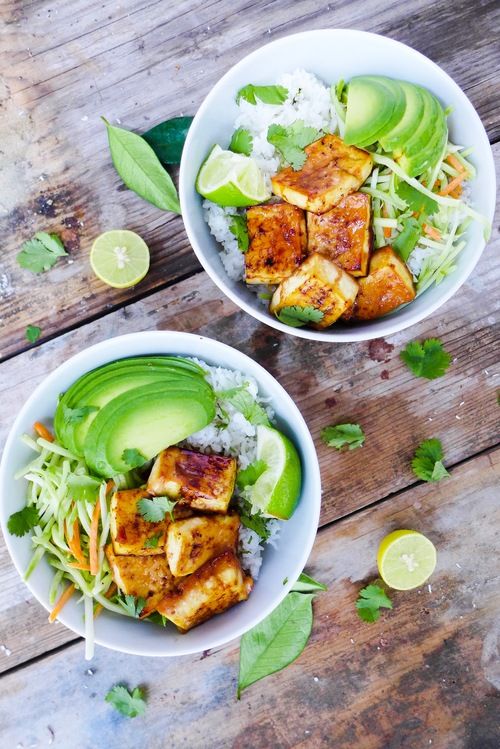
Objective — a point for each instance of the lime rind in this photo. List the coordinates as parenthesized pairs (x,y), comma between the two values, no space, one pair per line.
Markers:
(231,179)
(277,490)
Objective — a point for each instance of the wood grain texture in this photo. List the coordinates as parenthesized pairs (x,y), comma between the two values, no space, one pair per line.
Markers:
(423,675)
(139,63)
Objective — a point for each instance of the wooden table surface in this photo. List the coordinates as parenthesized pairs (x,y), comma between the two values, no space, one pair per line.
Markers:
(428,672)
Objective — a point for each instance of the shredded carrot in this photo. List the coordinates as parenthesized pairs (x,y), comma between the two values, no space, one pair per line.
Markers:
(456,192)
(109,593)
(93,539)
(431,232)
(109,485)
(79,566)
(42,431)
(455,182)
(61,602)
(74,543)
(455,163)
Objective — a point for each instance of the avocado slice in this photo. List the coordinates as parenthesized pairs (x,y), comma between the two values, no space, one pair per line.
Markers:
(370,110)
(396,138)
(416,162)
(425,130)
(148,419)
(394,90)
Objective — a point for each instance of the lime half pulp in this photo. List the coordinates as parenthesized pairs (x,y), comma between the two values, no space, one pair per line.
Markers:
(406,559)
(231,179)
(120,258)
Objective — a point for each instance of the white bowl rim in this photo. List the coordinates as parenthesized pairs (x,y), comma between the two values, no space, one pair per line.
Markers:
(390,324)
(169,338)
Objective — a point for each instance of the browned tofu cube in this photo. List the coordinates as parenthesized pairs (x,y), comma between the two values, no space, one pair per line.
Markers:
(130,532)
(277,234)
(204,482)
(140,576)
(331,171)
(192,542)
(318,283)
(212,589)
(388,285)
(343,234)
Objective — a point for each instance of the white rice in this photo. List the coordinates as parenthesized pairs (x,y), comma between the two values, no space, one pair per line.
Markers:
(308,100)
(230,433)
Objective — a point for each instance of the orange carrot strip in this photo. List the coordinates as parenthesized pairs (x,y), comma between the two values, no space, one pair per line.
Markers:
(455,163)
(109,485)
(74,543)
(453,183)
(42,431)
(110,592)
(431,232)
(79,566)
(61,603)
(93,539)
(456,192)
(387,231)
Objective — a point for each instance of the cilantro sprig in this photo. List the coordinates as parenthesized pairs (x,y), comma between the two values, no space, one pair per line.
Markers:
(41,252)
(154,510)
(76,415)
(427,463)
(241,142)
(266,94)
(350,435)
(244,402)
(371,600)
(426,358)
(21,522)
(291,141)
(133,457)
(238,227)
(130,704)
(152,541)
(296,316)
(32,333)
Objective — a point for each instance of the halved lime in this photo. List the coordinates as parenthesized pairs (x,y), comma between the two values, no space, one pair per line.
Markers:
(120,258)
(406,559)
(277,490)
(231,179)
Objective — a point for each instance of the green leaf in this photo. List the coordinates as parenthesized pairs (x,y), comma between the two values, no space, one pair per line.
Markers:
(296,316)
(416,200)
(241,142)
(76,415)
(427,462)
(249,475)
(167,139)
(132,605)
(238,227)
(128,704)
(276,641)
(245,403)
(405,242)
(83,488)
(306,584)
(427,358)
(266,94)
(371,600)
(140,169)
(133,458)
(291,141)
(41,253)
(32,333)
(21,522)
(154,510)
(253,519)
(343,434)
(152,542)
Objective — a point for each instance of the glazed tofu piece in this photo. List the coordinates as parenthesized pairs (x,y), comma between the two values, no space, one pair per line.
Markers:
(343,233)
(332,171)
(204,482)
(277,234)
(318,283)
(388,285)
(192,542)
(130,532)
(139,576)
(212,589)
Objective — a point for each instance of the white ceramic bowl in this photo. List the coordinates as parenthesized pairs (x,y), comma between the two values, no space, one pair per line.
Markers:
(332,54)
(286,561)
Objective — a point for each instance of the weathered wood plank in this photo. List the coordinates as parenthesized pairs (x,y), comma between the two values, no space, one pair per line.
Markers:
(141,62)
(424,675)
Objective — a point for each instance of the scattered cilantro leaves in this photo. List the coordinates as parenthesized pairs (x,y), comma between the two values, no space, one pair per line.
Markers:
(253,520)
(238,227)
(291,140)
(416,201)
(266,94)
(75,415)
(152,541)
(296,316)
(32,333)
(154,510)
(241,399)
(343,434)
(426,358)
(427,463)
(133,458)
(23,521)
(249,475)
(41,252)
(132,605)
(241,142)
(371,600)
(127,703)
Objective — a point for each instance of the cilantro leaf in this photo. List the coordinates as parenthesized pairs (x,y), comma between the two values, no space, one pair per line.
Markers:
(127,703)
(291,140)
(83,488)
(152,542)
(132,605)
(371,600)
(41,252)
(253,519)
(416,200)
(427,463)
(75,415)
(405,242)
(296,316)
(244,402)
(266,94)
(343,434)
(427,358)
(32,333)
(241,142)
(21,522)
(249,475)
(238,227)
(133,458)
(154,510)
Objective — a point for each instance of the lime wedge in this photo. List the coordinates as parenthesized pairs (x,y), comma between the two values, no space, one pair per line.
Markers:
(277,490)
(120,258)
(406,559)
(230,179)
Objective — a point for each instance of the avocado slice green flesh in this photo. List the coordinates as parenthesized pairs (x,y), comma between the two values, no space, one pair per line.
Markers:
(393,90)
(370,108)
(396,138)
(416,161)
(425,130)
(149,419)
